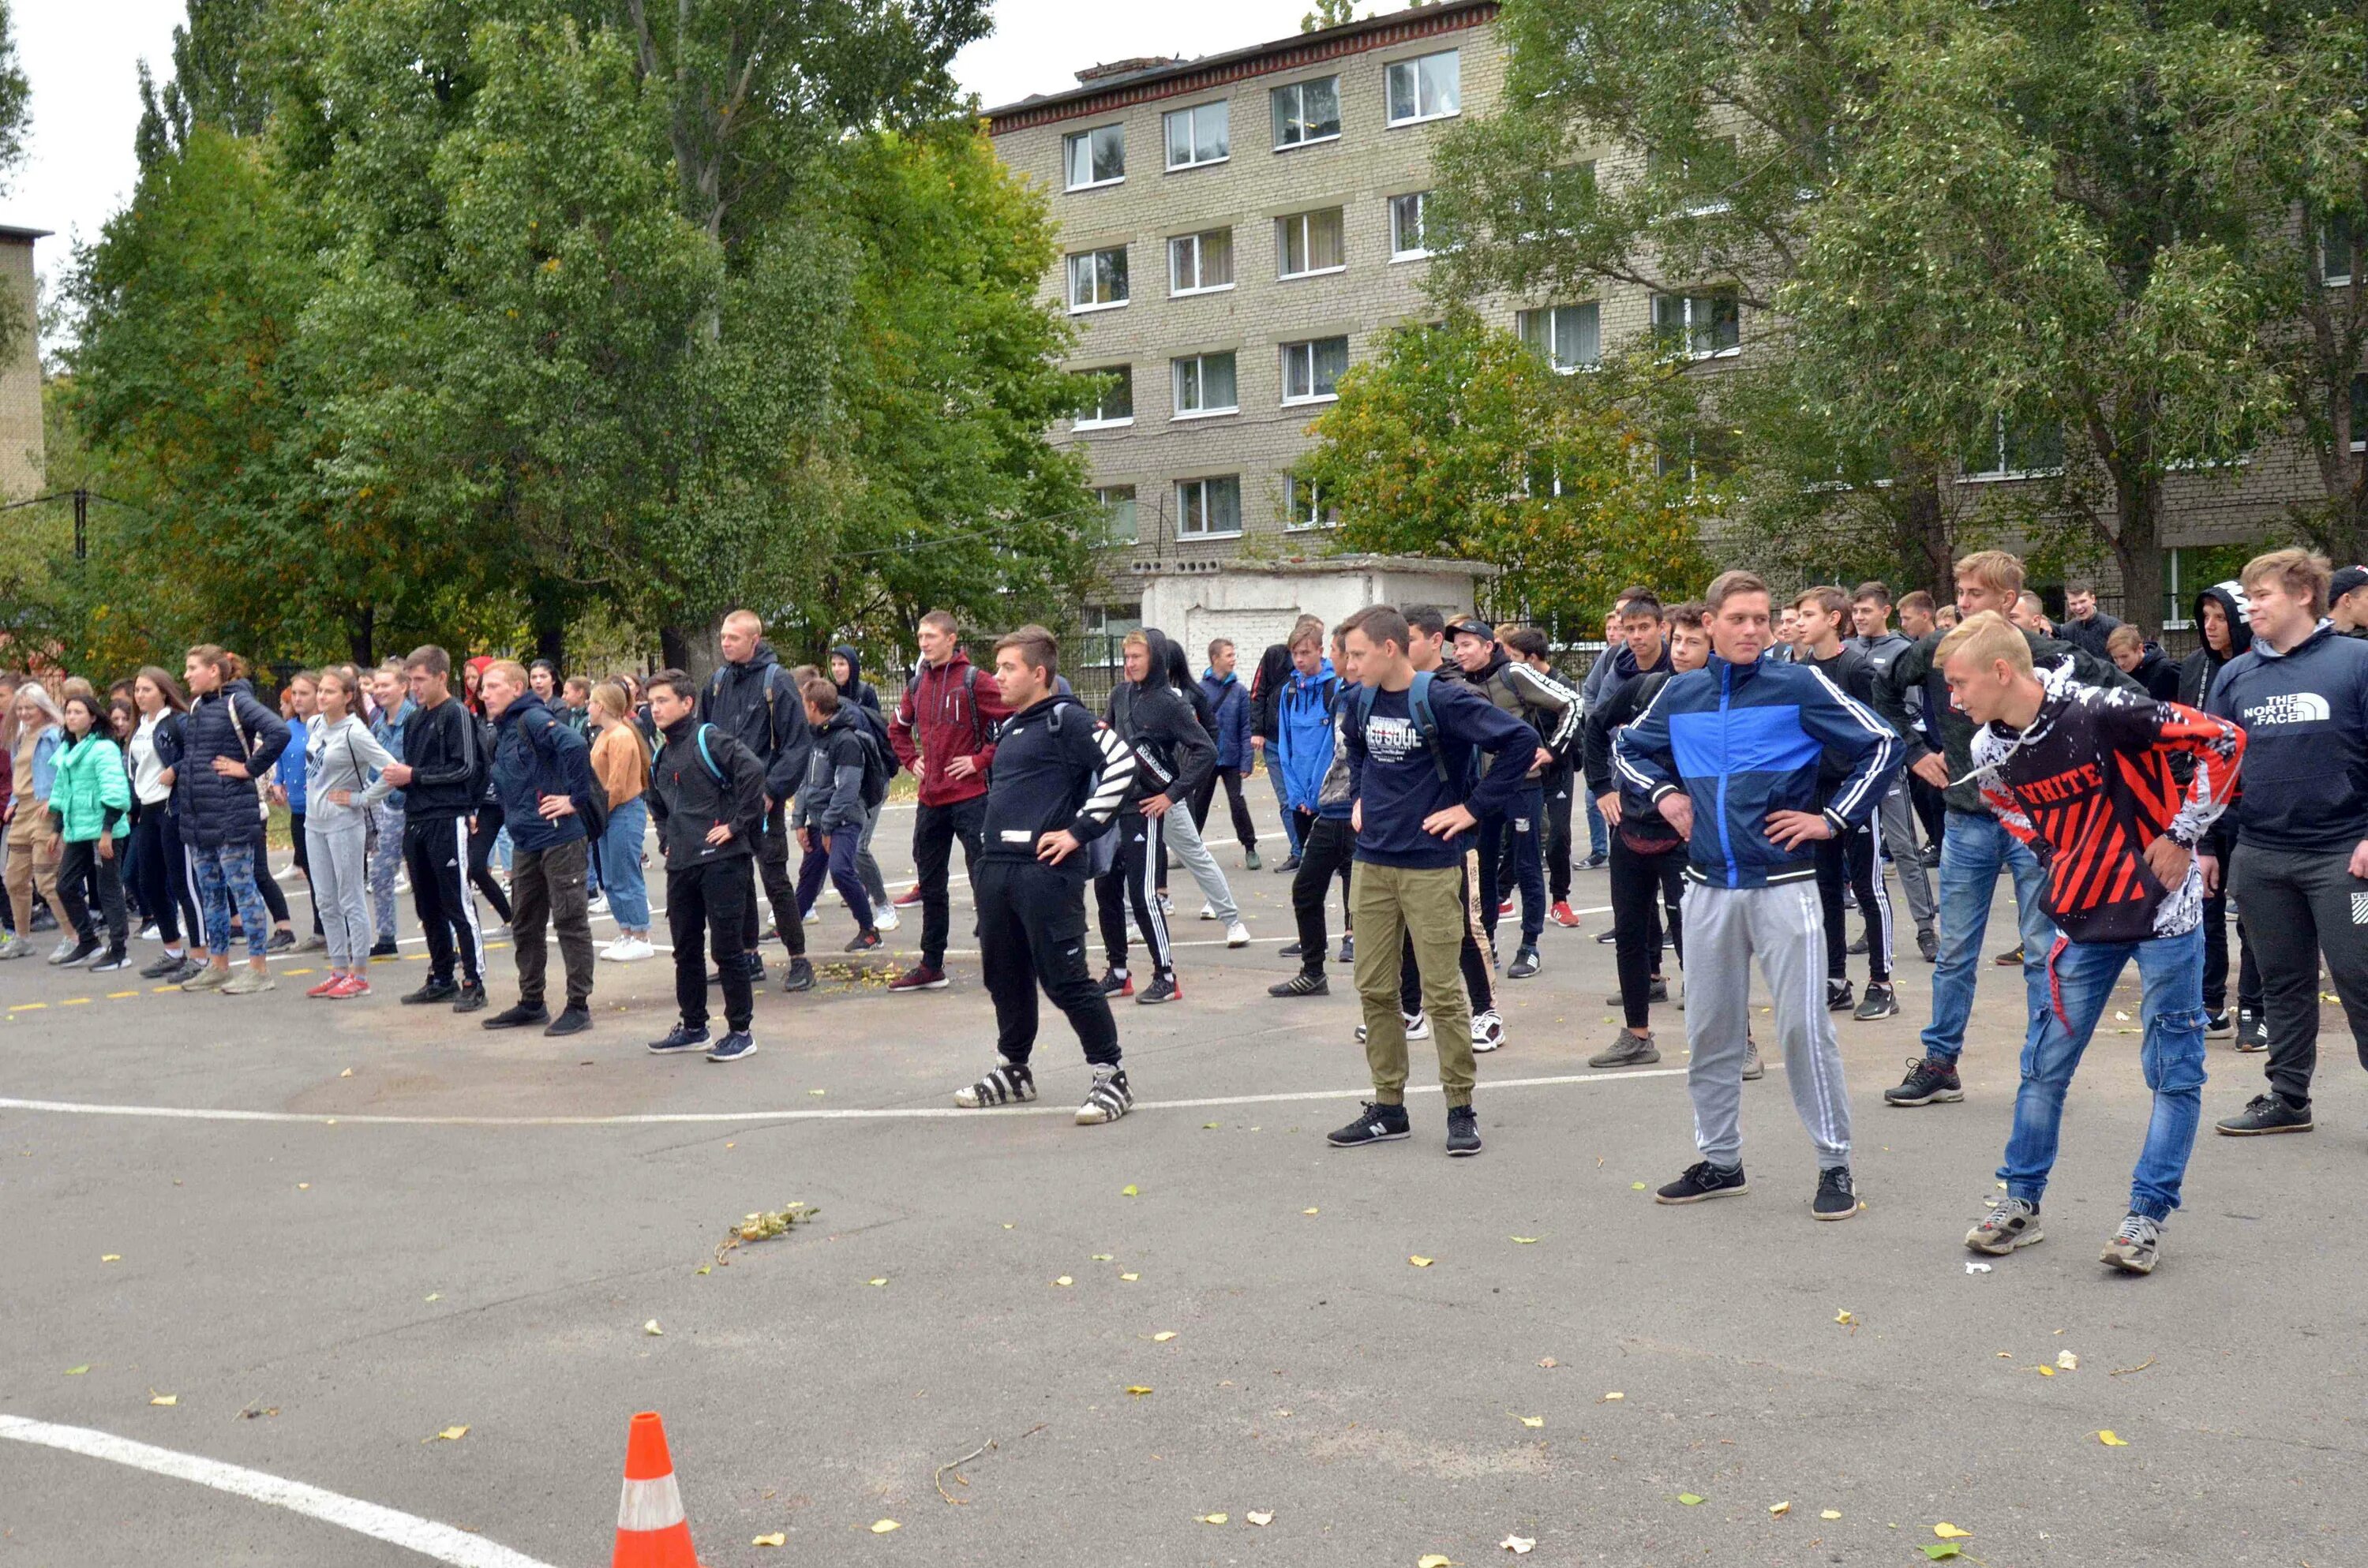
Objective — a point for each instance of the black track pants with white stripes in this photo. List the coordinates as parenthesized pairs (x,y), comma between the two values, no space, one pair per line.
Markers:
(1031,931)
(436,853)
(1131,880)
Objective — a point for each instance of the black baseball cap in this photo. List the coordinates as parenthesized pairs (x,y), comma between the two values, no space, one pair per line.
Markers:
(2345,580)
(1471,626)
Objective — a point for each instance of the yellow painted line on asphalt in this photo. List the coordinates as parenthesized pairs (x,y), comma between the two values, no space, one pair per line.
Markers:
(120,996)
(29,1007)
(293,972)
(75,1001)
(159,990)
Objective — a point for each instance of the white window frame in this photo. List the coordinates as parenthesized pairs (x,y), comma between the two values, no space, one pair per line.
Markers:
(1307,244)
(1415,64)
(1183,512)
(1126,371)
(1307,346)
(2003,475)
(1201,376)
(1522,321)
(1192,112)
(1199,253)
(1420,249)
(1275,98)
(1070,265)
(1294,518)
(1104,496)
(1086,136)
(1686,328)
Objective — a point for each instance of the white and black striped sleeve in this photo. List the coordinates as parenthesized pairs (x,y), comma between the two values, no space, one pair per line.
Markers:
(1114,776)
(1544,691)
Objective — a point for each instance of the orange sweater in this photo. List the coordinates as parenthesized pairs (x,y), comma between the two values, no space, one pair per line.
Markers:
(617,761)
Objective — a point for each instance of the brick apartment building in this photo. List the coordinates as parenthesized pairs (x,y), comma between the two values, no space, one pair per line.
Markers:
(21,460)
(1236,229)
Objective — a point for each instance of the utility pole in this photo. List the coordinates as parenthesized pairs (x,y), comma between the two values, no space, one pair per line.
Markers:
(82,523)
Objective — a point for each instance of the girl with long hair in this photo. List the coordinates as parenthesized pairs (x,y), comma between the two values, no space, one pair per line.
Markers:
(90,798)
(621,761)
(343,764)
(157,860)
(33,846)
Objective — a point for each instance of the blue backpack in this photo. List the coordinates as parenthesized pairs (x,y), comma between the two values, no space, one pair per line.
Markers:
(1425,722)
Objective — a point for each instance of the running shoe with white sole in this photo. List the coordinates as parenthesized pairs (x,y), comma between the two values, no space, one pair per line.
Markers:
(1417,1027)
(1237,935)
(2135,1246)
(1487,1031)
(2011,1222)
(1009,1083)
(1109,1098)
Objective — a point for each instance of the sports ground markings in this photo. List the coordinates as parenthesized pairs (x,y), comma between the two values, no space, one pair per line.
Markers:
(444,1543)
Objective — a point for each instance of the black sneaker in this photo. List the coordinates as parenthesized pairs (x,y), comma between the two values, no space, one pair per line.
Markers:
(1928,942)
(1294,950)
(864,942)
(282,942)
(517,1018)
(468,998)
(1930,1078)
(1290,863)
(163,966)
(112,960)
(800,976)
(1348,948)
(2219,1025)
(1837,1198)
(1377,1123)
(1705,1180)
(1010,1083)
(1117,983)
(1857,949)
(2010,959)
(1525,964)
(1596,862)
(1108,1099)
(1877,1003)
(2252,1031)
(1164,988)
(1657,992)
(1606,936)
(1463,1131)
(734,1046)
(755,969)
(383,949)
(570,1020)
(1302,984)
(434,991)
(684,1038)
(1839,996)
(2266,1113)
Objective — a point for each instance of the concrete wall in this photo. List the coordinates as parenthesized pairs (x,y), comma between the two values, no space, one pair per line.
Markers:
(1257,606)
(21,376)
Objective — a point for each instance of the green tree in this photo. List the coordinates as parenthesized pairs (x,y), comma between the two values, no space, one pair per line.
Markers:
(15,98)
(1459,440)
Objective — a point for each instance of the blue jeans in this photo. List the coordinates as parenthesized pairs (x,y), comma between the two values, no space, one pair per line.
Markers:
(2171,972)
(1598,831)
(225,876)
(620,857)
(1973,852)
(834,854)
(1282,800)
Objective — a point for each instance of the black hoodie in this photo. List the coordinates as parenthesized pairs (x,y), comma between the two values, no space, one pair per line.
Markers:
(1175,753)
(2202,668)
(1055,768)
(1265,691)
(759,705)
(855,688)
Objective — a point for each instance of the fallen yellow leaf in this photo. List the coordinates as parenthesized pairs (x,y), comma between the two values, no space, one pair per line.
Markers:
(1831,1514)
(1138,1390)
(776,1539)
(303,1186)
(652,1329)
(1211,1518)
(817,1093)
(346,1073)
(2113,1439)
(1613,1397)
(1129,1279)
(77,1371)
(1307,1210)
(882,1280)
(1260,1519)
(1780,1507)
(1844,1317)
(1434,1561)
(110,1258)
(1524,1241)
(1419,1262)
(1104,1258)
(1947,1531)
(1128,1191)
(1635,1187)
(1534,1420)
(155,1398)
(881,1527)
(450,1435)
(1163,1336)
(2044,1371)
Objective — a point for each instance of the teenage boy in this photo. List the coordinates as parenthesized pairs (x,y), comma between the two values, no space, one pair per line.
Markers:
(1413,745)
(708,797)
(1847,860)
(1551,711)
(944,730)
(442,777)
(832,808)
(1058,783)
(1426,652)
(2347,600)
(1974,848)
(228,740)
(2302,822)
(1229,703)
(757,702)
(2085,626)
(1328,847)
(1172,751)
(1871,619)
(1302,749)
(1561,784)
(2086,778)
(541,770)
(2223,634)
(1730,753)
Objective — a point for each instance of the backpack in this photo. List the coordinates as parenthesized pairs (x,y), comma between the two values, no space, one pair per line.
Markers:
(1425,722)
(880,763)
(592,805)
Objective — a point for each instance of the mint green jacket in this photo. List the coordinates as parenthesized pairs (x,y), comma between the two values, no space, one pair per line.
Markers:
(92,791)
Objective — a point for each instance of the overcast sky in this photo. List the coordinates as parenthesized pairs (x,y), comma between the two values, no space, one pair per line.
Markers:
(83,62)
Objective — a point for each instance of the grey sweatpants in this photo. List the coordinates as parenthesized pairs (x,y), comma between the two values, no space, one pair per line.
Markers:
(1896,821)
(336,856)
(1184,838)
(1784,927)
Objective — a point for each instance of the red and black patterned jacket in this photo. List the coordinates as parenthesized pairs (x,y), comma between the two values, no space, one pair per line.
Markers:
(2089,784)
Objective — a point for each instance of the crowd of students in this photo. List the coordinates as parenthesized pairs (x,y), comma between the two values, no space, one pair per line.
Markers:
(1749,771)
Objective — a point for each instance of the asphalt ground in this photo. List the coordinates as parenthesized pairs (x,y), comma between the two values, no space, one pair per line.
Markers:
(321,1293)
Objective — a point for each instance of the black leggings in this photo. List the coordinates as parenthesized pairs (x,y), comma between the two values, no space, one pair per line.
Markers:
(164,879)
(1326,846)
(1129,881)
(482,834)
(1636,913)
(1853,859)
(265,882)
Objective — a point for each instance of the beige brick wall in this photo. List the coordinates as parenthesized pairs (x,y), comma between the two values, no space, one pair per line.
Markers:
(21,376)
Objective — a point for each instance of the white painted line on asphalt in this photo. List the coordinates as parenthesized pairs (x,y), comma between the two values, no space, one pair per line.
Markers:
(426,1536)
(664,1119)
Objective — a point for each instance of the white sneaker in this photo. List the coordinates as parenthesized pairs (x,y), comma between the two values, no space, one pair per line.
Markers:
(629,949)
(596,904)
(1208,911)
(884,917)
(814,915)
(1417,1027)
(148,933)
(1487,1031)
(1237,935)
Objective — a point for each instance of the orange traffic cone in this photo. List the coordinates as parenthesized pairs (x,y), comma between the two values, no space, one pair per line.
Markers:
(651,1529)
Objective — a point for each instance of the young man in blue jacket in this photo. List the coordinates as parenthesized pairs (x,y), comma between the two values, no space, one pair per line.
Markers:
(1730,753)
(2301,694)
(1414,743)
(832,810)
(542,768)
(1229,700)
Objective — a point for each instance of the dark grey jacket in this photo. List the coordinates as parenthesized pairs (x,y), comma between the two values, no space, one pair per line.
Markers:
(216,809)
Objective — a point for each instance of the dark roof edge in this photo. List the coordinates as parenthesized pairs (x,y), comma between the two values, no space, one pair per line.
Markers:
(11,232)
(1212,70)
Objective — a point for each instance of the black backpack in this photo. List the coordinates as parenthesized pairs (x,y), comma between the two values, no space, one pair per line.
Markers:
(880,763)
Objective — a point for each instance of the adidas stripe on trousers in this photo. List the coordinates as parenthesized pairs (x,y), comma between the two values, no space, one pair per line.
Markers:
(1133,879)
(1784,927)
(436,851)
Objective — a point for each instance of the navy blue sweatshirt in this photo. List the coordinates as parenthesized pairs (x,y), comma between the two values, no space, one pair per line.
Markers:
(1396,781)
(1055,768)
(2305,714)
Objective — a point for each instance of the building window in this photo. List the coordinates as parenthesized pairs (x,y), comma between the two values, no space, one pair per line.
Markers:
(2335,251)
(1570,336)
(1209,508)
(1699,325)
(1114,403)
(1117,502)
(1101,637)
(1305,507)
(1098,279)
(2360,413)
(1427,88)
(1307,111)
(1200,262)
(1095,157)
(1406,241)
(2014,449)
(1310,242)
(1204,384)
(1198,135)
(1700,182)
(1311,371)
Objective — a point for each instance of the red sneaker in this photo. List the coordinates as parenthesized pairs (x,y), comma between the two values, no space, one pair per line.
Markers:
(1562,914)
(328,988)
(920,977)
(909,897)
(1504,907)
(355,985)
